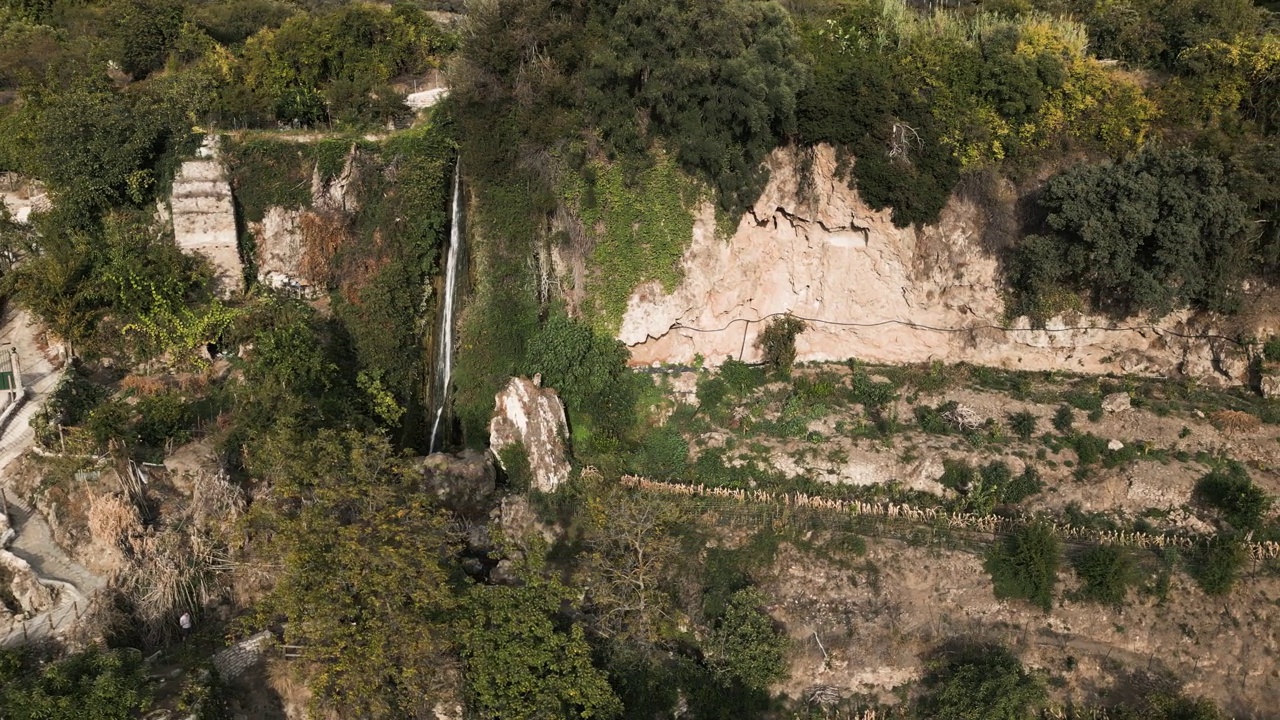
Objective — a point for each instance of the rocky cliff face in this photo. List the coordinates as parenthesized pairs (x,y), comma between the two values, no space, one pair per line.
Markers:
(290,241)
(880,293)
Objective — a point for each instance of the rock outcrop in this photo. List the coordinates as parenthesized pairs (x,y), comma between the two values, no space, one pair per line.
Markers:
(292,243)
(24,585)
(204,219)
(532,417)
(465,483)
(881,293)
(22,196)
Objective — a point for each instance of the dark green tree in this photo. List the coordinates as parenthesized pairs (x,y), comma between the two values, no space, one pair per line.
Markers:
(522,660)
(715,80)
(745,645)
(979,682)
(1230,490)
(94,684)
(1155,233)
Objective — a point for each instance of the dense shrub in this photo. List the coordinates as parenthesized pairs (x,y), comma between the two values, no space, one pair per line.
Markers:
(664,454)
(1106,573)
(1063,419)
(1154,233)
(978,682)
(1024,565)
(1231,491)
(778,342)
(1023,424)
(715,80)
(588,369)
(111,685)
(745,646)
(1217,564)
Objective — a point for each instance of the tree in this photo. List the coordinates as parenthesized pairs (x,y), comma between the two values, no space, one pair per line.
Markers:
(364,586)
(521,663)
(144,33)
(716,80)
(979,682)
(745,645)
(778,342)
(633,557)
(1155,233)
(109,685)
(1025,565)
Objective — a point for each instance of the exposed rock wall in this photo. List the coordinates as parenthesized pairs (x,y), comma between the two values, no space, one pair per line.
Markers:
(204,220)
(292,250)
(886,294)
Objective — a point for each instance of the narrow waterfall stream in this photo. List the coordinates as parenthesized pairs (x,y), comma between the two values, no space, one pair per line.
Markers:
(444,338)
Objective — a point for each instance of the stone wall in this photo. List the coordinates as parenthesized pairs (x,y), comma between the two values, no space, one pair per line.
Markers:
(203,215)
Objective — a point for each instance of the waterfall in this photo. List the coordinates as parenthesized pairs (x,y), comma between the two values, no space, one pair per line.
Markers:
(444,339)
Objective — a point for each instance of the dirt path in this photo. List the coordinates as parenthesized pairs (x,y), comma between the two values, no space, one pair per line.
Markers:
(34,541)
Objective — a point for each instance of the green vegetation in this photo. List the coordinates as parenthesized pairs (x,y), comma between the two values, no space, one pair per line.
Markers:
(745,646)
(519,664)
(1217,564)
(1106,574)
(647,225)
(1025,565)
(1160,231)
(109,685)
(979,682)
(1230,490)
(778,342)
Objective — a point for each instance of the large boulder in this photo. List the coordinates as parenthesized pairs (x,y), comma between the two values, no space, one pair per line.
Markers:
(532,417)
(24,584)
(464,482)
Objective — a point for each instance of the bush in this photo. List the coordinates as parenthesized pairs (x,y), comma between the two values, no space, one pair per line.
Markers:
(778,341)
(1231,491)
(1106,572)
(978,682)
(1158,232)
(588,369)
(1028,483)
(1025,565)
(663,455)
(1089,447)
(1216,565)
(1063,419)
(1023,424)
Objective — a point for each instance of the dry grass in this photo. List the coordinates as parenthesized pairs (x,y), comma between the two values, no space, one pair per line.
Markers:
(323,236)
(143,384)
(1234,421)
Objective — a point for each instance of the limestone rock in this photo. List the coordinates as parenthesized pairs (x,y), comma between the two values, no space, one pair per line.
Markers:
(1115,445)
(204,219)
(813,247)
(533,417)
(25,585)
(280,250)
(464,482)
(22,196)
(1115,402)
(1271,386)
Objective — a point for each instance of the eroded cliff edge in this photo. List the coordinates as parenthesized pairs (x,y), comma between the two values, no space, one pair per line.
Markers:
(891,295)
